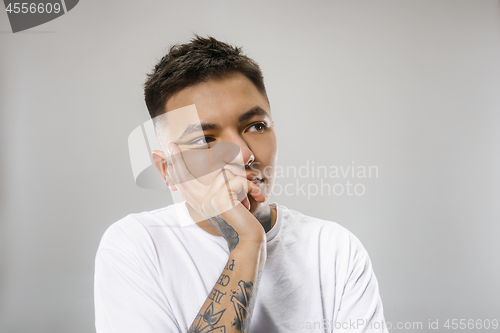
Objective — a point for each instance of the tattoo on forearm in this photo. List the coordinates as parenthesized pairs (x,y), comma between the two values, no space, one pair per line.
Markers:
(223,280)
(243,300)
(216,295)
(206,323)
(253,298)
(227,231)
(229,266)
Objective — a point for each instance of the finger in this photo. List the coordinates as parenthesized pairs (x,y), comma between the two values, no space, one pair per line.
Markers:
(256,192)
(222,183)
(246,202)
(227,198)
(242,185)
(247,187)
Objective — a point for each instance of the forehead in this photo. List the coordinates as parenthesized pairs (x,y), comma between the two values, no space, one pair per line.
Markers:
(170,125)
(220,99)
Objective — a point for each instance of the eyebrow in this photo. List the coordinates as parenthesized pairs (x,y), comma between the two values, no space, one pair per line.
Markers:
(196,127)
(255,111)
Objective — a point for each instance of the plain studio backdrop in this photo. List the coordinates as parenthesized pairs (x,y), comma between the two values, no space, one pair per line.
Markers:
(409,87)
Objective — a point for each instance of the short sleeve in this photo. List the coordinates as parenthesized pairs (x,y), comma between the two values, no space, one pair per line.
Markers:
(127,295)
(361,308)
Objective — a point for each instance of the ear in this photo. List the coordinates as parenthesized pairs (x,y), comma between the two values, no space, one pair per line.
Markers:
(160,162)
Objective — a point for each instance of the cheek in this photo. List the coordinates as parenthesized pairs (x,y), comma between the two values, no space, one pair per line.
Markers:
(268,167)
(266,150)
(208,179)
(269,157)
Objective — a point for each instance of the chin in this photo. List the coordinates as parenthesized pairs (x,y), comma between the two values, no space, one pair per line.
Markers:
(256,207)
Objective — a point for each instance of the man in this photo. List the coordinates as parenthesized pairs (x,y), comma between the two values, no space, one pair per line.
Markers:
(246,265)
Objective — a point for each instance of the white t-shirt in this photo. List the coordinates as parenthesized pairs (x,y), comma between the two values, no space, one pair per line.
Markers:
(153,275)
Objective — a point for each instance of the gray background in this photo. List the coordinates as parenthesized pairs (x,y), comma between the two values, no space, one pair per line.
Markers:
(409,86)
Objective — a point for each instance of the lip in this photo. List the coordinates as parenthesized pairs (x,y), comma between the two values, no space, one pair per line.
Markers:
(254,179)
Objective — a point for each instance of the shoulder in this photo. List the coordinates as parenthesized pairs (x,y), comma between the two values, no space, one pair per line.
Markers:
(308,225)
(134,231)
(328,234)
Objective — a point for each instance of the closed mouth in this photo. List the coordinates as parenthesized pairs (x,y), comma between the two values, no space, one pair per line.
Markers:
(254,179)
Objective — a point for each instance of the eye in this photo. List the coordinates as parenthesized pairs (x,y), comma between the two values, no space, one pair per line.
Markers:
(258,127)
(202,141)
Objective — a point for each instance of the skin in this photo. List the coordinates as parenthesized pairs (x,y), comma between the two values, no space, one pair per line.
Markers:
(224,103)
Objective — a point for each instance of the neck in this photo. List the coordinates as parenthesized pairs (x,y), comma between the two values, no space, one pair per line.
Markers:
(267,217)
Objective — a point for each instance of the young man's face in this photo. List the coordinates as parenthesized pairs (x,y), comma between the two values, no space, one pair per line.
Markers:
(231,109)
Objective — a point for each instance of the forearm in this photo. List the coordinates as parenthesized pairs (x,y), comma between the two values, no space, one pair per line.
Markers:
(229,305)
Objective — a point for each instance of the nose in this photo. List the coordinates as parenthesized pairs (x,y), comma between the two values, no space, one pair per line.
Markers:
(245,156)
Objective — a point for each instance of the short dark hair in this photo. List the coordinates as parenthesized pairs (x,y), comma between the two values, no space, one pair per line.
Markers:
(199,60)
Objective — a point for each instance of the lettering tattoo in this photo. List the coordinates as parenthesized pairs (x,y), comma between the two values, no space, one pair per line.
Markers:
(224,280)
(216,295)
(206,323)
(226,231)
(229,266)
(243,301)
